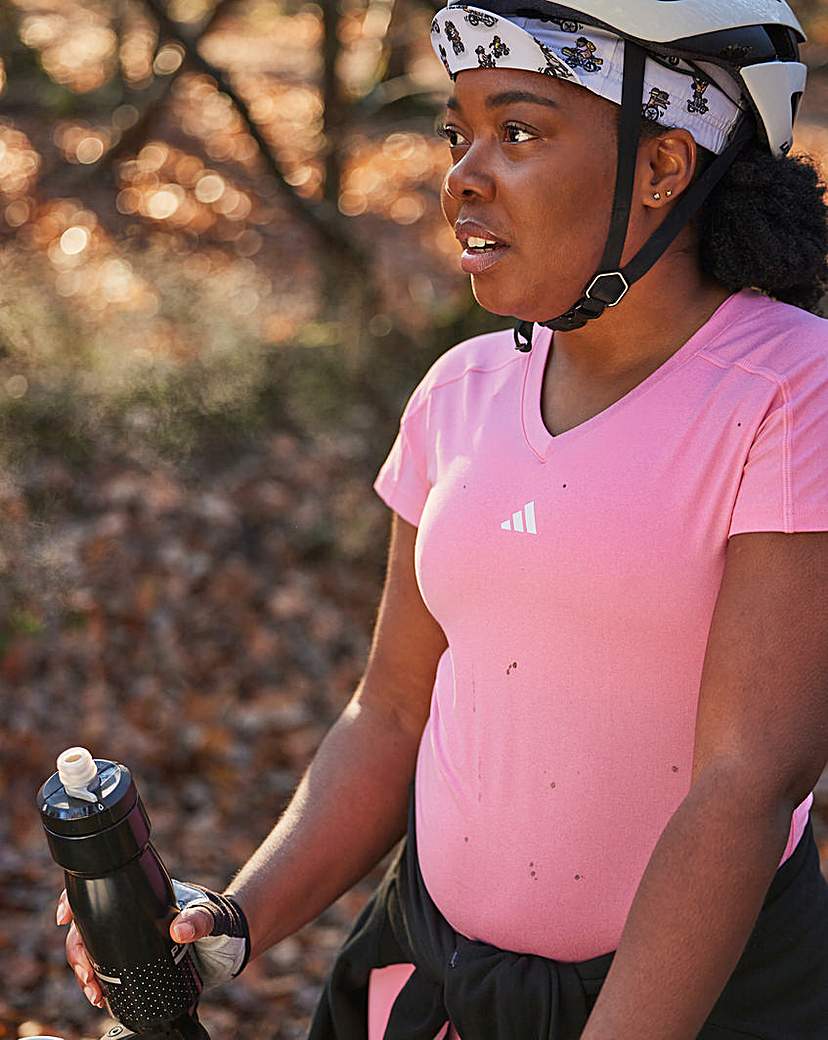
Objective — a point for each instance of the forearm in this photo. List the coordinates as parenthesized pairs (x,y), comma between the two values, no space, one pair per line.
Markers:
(347,812)
(691,917)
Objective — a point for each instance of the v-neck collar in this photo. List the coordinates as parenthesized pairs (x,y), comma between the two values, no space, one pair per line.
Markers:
(538,437)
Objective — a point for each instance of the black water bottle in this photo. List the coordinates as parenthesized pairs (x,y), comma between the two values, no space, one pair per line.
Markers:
(121,896)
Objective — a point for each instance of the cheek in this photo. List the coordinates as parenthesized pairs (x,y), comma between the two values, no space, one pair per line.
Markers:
(566,218)
(560,241)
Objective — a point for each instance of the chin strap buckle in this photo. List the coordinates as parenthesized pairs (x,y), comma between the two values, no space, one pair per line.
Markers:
(608,288)
(605,290)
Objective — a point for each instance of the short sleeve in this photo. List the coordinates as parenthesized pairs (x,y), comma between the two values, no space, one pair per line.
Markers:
(784,485)
(402,481)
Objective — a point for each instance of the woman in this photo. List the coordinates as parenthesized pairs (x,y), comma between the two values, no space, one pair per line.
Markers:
(601,649)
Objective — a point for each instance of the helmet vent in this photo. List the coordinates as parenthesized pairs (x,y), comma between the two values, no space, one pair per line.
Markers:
(784,41)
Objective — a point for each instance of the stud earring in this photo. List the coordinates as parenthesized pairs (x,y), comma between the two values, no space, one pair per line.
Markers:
(669,193)
(657,196)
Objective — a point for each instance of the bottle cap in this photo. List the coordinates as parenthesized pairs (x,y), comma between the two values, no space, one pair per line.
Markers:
(76,768)
(108,807)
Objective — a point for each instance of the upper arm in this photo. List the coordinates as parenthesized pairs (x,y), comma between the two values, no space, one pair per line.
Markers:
(763,701)
(407,641)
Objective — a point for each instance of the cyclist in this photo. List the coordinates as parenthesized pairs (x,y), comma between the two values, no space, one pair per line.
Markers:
(595,699)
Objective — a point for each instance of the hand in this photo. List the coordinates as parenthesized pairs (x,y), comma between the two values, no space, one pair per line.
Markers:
(77,956)
(219,932)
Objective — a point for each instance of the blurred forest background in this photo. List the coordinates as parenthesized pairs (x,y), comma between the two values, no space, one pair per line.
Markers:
(222,270)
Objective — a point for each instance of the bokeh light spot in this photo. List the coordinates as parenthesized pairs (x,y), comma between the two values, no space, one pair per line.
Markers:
(301,175)
(352,203)
(188,10)
(16,386)
(17,213)
(210,188)
(162,204)
(125,116)
(153,156)
(399,146)
(67,283)
(116,280)
(74,240)
(128,201)
(407,209)
(168,60)
(380,325)
(89,150)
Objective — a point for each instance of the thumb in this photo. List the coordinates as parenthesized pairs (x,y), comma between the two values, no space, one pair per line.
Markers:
(190,925)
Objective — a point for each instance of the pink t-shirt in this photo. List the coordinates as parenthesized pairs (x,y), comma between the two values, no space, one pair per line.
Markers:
(575,579)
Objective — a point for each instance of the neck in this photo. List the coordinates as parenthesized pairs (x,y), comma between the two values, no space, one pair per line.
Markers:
(656,317)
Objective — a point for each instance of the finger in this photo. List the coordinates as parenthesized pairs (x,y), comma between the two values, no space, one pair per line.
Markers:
(63,914)
(78,957)
(84,974)
(192,924)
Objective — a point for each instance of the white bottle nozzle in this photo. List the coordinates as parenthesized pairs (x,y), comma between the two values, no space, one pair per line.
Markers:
(76,768)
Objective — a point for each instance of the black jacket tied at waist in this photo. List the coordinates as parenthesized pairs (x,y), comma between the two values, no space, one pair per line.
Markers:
(483,990)
(779,990)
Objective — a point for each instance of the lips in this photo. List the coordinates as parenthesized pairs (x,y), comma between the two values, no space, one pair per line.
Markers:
(476,260)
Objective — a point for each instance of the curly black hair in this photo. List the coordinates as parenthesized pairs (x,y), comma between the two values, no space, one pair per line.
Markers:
(765,225)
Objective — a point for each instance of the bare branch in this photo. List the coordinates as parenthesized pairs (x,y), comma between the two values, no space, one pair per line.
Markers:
(322,217)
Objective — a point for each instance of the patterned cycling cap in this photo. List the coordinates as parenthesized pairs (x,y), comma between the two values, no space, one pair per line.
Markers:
(700,98)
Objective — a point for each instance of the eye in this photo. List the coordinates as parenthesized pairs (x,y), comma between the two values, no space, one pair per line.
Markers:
(450,134)
(513,129)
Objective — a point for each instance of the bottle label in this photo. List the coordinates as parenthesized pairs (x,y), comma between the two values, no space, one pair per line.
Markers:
(154,991)
(107,978)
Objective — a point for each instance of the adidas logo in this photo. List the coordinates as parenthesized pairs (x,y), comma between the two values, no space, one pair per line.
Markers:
(517,521)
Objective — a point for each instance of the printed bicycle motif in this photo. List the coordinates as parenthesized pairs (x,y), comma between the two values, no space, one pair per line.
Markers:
(567,25)
(554,66)
(698,102)
(479,18)
(658,104)
(484,60)
(582,55)
(454,38)
(498,49)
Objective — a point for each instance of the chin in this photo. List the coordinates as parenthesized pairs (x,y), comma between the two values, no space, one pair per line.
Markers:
(516,305)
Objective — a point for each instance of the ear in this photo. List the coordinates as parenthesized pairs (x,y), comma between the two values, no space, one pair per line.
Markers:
(669,166)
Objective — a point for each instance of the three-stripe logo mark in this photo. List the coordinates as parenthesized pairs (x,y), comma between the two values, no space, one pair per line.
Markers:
(517,522)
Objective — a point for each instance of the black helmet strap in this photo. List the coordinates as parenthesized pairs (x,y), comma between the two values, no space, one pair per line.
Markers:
(611,283)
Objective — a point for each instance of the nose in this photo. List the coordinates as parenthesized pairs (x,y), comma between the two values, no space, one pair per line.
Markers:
(470,177)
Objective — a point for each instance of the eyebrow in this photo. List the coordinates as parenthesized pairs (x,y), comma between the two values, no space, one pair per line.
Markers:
(508,97)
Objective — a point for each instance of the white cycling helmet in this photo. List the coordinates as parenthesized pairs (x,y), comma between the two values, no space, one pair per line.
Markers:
(755,44)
